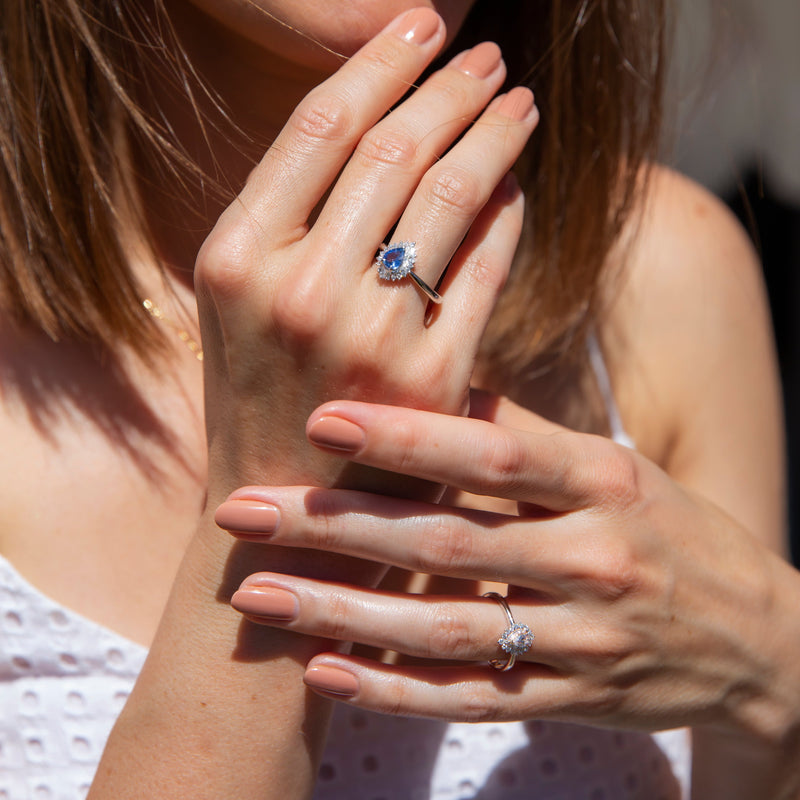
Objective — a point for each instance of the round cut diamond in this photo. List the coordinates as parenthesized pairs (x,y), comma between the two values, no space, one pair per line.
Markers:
(517,639)
(396,261)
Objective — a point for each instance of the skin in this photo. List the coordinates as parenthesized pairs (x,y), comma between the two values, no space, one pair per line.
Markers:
(295,31)
(281,341)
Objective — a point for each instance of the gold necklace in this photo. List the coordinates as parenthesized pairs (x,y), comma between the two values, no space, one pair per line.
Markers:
(183,334)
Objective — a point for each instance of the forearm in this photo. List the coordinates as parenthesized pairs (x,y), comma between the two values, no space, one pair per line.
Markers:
(220,709)
(757,757)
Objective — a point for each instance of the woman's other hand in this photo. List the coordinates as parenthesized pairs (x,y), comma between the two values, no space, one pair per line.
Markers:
(647,602)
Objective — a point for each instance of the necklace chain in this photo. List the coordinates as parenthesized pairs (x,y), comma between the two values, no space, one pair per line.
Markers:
(183,334)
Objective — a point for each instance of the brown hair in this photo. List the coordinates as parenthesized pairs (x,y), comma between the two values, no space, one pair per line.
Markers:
(68,82)
(597,68)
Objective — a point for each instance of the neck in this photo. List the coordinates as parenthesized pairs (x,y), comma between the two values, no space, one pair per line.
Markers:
(255,91)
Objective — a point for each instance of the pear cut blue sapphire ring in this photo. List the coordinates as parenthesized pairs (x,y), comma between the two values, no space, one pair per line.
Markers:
(396,261)
(516,640)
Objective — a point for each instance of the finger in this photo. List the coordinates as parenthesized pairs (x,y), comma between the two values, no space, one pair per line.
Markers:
(323,130)
(503,411)
(452,193)
(559,471)
(477,274)
(457,694)
(418,537)
(435,627)
(392,156)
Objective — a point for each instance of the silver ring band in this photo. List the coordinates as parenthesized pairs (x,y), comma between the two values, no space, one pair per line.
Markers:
(516,640)
(431,294)
(396,261)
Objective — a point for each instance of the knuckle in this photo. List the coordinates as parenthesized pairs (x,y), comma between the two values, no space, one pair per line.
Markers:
(298,308)
(617,572)
(337,616)
(325,534)
(450,635)
(455,190)
(619,478)
(385,146)
(562,469)
(609,569)
(452,89)
(597,702)
(605,648)
(502,465)
(405,441)
(479,705)
(486,272)
(321,118)
(394,698)
(388,57)
(445,549)
(224,261)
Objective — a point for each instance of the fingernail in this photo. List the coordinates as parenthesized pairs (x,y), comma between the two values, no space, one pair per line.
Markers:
(419,25)
(336,433)
(482,60)
(332,680)
(517,104)
(267,602)
(247,516)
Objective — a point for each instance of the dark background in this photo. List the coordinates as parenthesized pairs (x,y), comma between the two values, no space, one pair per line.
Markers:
(733,124)
(774,224)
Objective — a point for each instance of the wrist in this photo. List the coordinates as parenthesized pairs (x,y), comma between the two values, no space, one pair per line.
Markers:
(769,708)
(756,742)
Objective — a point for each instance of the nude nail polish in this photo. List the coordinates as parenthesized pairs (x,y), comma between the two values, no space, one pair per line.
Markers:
(517,104)
(332,680)
(247,516)
(336,433)
(266,601)
(482,60)
(419,25)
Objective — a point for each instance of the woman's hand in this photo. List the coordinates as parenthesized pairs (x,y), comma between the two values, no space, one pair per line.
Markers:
(292,309)
(648,604)
(292,313)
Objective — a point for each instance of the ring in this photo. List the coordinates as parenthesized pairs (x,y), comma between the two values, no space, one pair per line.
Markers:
(396,261)
(516,640)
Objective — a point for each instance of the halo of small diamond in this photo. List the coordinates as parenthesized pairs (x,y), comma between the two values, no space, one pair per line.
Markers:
(396,261)
(516,640)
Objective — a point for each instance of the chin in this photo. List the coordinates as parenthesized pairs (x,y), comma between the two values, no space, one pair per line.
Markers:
(317,33)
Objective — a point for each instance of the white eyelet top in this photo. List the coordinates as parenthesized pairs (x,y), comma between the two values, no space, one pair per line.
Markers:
(63,681)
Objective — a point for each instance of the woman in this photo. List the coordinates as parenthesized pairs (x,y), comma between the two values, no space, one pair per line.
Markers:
(112,421)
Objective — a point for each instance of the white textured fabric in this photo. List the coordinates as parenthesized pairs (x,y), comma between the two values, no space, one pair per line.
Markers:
(63,680)
(372,757)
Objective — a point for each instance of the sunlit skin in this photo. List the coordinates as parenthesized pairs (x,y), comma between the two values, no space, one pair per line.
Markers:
(315,33)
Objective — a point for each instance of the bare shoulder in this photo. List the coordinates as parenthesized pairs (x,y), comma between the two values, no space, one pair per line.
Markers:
(691,278)
(686,237)
(689,342)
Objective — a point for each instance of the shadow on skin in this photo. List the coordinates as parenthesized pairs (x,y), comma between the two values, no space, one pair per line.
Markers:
(58,381)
